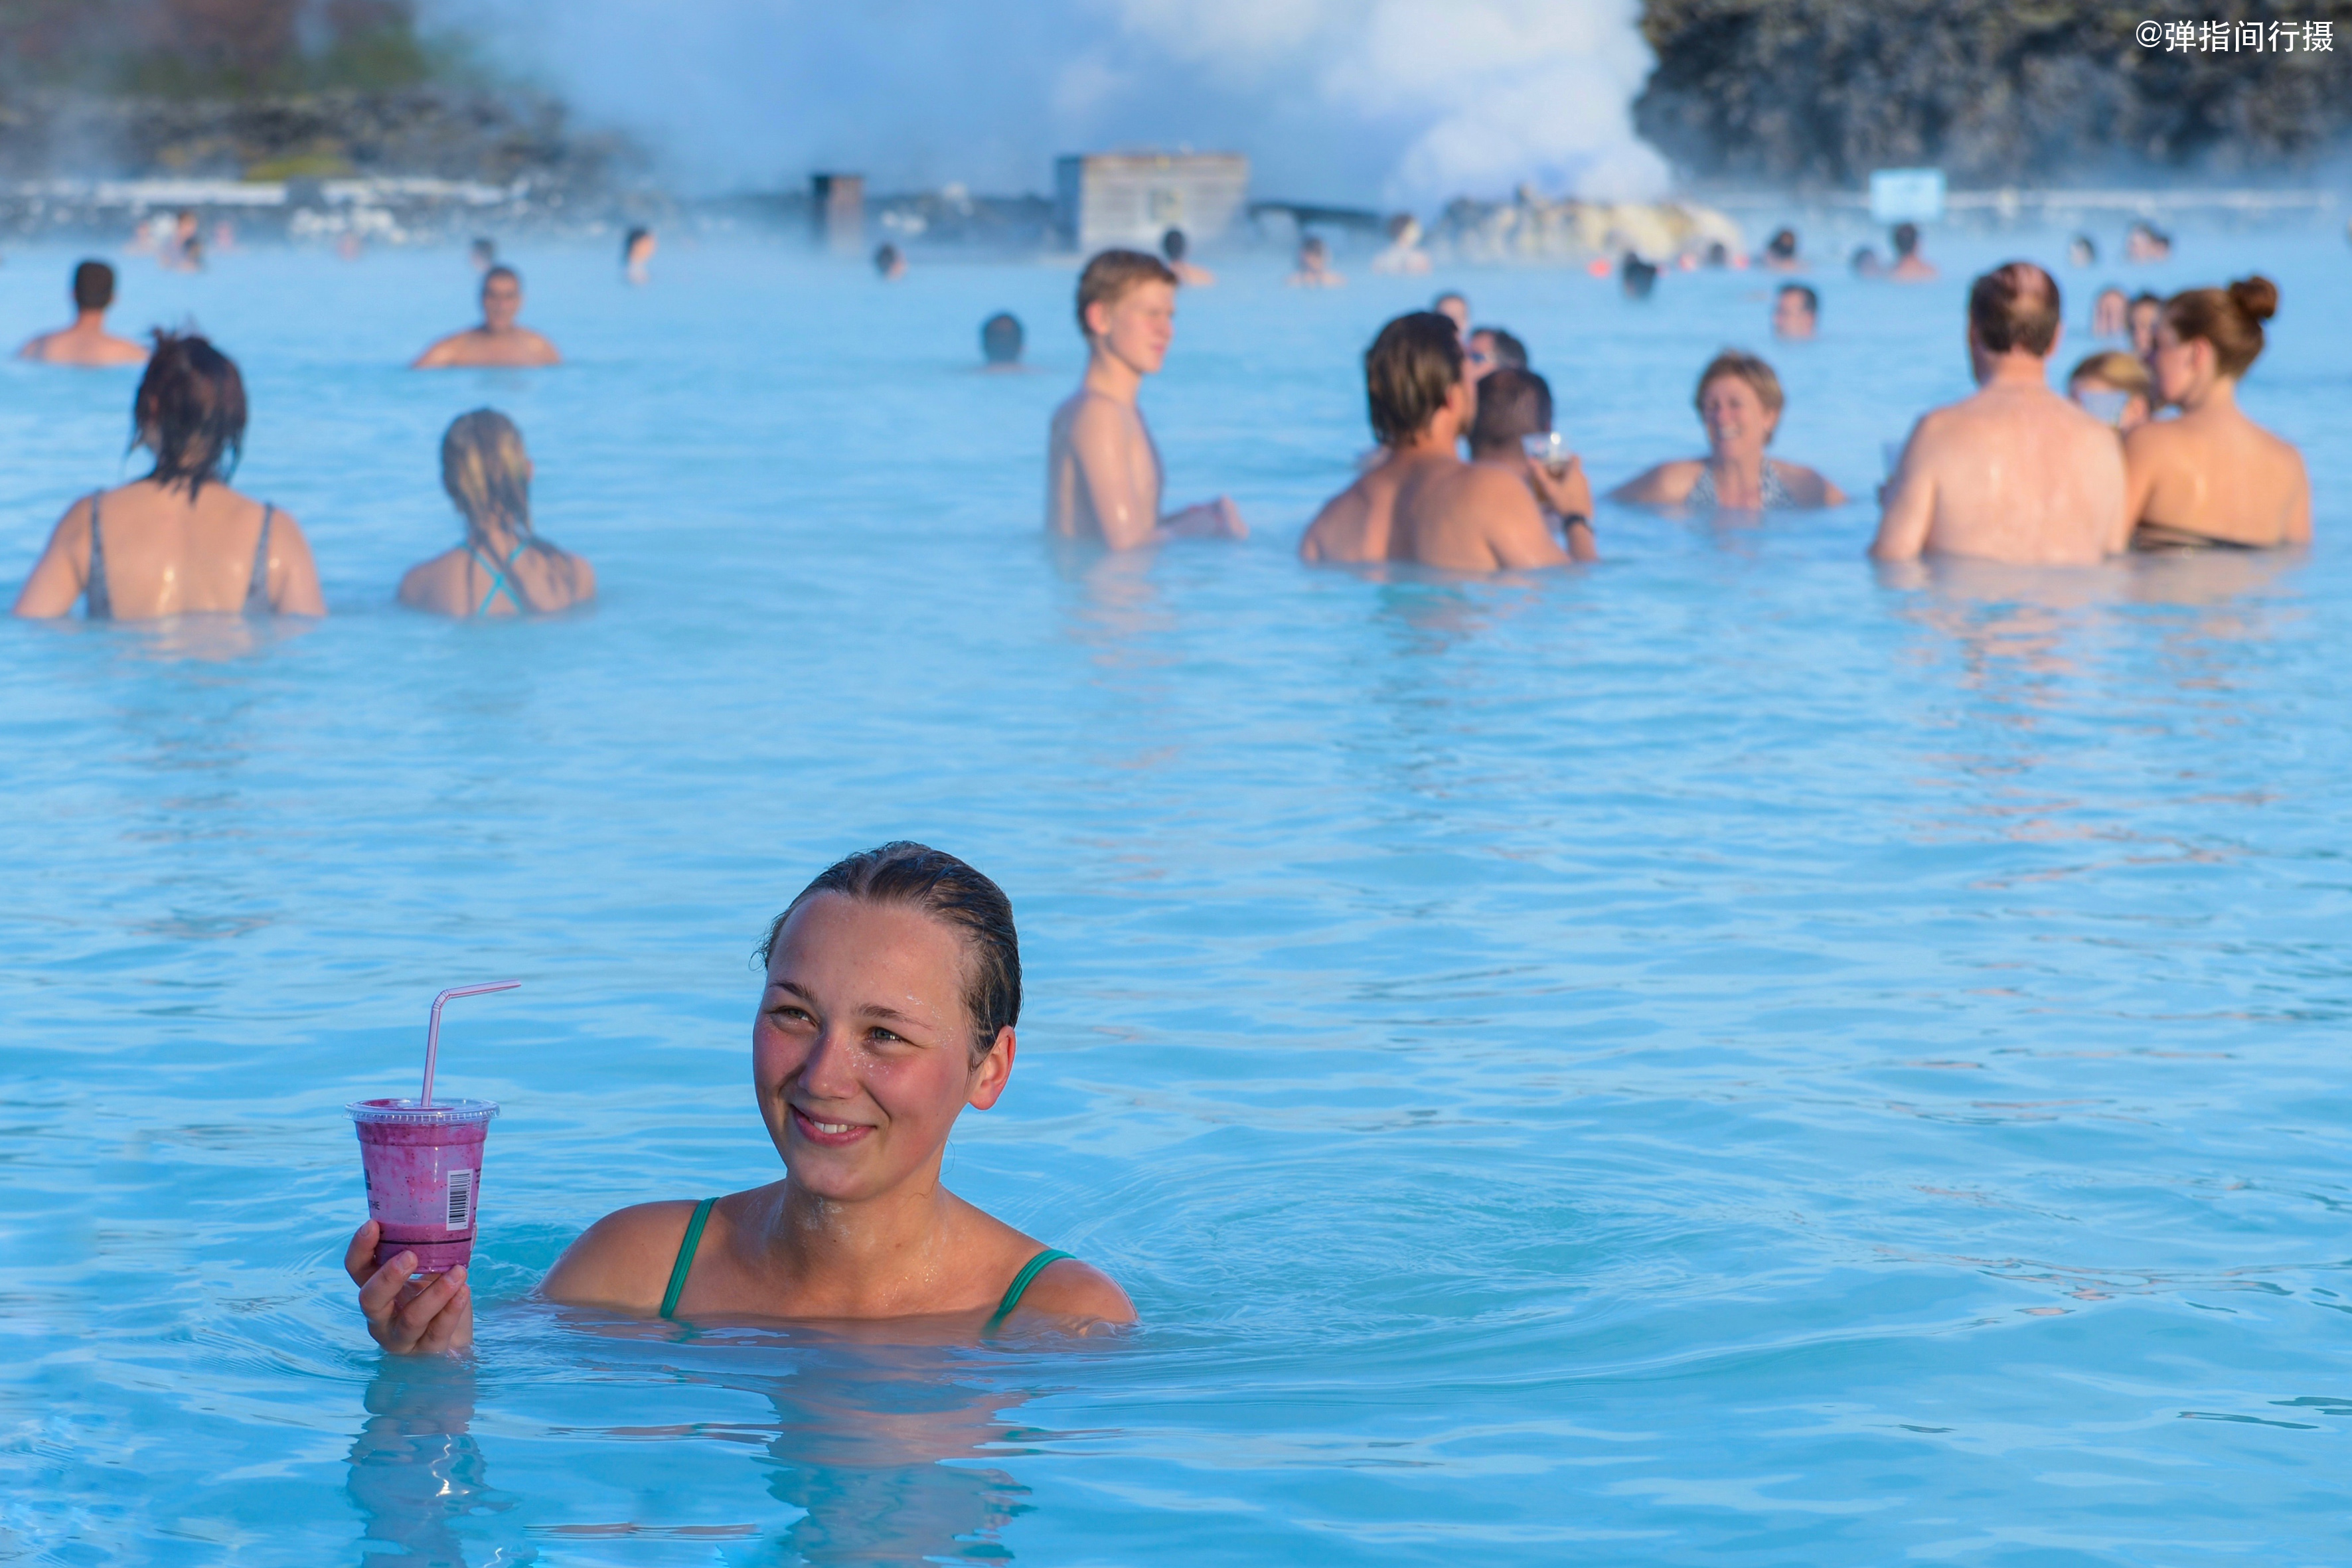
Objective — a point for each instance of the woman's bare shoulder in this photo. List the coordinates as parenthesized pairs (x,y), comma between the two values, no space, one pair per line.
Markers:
(1073,1288)
(623,1260)
(1663,485)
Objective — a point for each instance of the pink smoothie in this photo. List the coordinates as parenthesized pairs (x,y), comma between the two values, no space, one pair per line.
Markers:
(424,1168)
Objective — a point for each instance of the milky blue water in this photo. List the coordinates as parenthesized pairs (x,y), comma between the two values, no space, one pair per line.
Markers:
(1722,1058)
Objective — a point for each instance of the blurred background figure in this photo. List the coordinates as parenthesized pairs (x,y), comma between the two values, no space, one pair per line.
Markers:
(1315,266)
(1910,267)
(1637,276)
(184,251)
(2115,388)
(889,263)
(86,341)
(1454,308)
(638,255)
(1173,245)
(349,247)
(484,254)
(504,567)
(1403,257)
(1780,252)
(1865,262)
(1796,311)
(2082,251)
(2110,313)
(1490,349)
(1000,341)
(2141,317)
(2146,242)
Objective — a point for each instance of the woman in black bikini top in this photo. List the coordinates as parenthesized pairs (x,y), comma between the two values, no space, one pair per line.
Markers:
(893,984)
(172,542)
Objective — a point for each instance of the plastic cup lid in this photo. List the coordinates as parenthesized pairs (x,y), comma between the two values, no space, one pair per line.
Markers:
(415,1113)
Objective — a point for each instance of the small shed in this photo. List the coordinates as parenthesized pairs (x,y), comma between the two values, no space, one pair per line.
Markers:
(1132,199)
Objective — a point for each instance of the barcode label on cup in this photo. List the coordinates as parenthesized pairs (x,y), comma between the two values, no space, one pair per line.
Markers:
(461,1199)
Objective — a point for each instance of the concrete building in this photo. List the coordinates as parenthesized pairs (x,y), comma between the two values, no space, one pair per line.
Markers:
(1132,199)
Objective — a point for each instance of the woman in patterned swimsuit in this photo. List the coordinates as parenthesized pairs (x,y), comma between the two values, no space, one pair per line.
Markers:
(1740,401)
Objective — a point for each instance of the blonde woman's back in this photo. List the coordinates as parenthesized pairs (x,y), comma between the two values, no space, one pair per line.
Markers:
(503,568)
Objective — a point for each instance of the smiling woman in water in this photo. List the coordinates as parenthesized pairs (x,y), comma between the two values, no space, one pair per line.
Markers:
(893,984)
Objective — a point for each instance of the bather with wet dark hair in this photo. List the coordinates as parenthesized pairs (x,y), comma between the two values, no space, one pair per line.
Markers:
(2214,476)
(1421,502)
(638,247)
(1781,252)
(504,567)
(1000,341)
(893,987)
(180,541)
(1909,267)
(1174,246)
(86,341)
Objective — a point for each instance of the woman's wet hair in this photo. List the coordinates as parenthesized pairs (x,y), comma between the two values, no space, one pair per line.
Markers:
(1740,365)
(2229,319)
(189,412)
(934,881)
(1408,370)
(1001,338)
(1511,404)
(488,474)
(1113,274)
(2014,308)
(2114,368)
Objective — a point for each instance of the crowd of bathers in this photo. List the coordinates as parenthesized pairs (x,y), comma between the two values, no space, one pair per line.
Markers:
(2146,449)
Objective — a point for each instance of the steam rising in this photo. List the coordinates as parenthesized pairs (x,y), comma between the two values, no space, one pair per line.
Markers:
(1395,102)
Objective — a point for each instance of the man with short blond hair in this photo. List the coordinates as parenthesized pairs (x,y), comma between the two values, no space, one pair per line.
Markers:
(2015,472)
(1103,477)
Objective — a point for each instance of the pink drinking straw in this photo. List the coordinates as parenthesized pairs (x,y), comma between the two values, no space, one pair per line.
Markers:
(432,1030)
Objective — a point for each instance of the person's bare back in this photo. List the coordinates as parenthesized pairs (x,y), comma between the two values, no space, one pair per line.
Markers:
(86,343)
(2014,472)
(2213,476)
(1424,504)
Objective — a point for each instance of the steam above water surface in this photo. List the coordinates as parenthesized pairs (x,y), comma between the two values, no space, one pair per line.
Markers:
(1405,102)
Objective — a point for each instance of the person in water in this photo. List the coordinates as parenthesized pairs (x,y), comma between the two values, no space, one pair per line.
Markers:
(2146,242)
(1910,267)
(484,254)
(2140,319)
(2014,472)
(638,255)
(178,541)
(1514,404)
(1454,308)
(1403,256)
(2115,388)
(893,986)
(1866,264)
(1740,402)
(1781,252)
(86,341)
(504,567)
(1421,502)
(1637,276)
(2082,251)
(1490,349)
(1000,341)
(2212,477)
(1315,266)
(889,263)
(1796,313)
(2111,313)
(1103,477)
(500,340)
(1172,246)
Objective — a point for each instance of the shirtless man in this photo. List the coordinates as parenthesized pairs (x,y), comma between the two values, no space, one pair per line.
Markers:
(86,341)
(1422,503)
(1910,267)
(1515,403)
(498,340)
(2015,472)
(1103,477)
(1173,245)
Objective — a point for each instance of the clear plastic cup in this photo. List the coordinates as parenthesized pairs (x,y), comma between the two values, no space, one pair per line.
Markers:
(1551,449)
(424,1169)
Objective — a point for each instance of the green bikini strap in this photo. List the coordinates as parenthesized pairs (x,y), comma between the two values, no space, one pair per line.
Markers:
(684,1263)
(1029,1271)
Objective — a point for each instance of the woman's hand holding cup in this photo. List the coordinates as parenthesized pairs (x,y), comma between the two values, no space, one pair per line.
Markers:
(432,1316)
